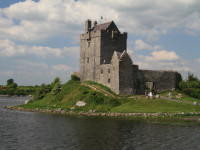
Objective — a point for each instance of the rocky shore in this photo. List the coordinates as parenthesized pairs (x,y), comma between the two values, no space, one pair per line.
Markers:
(93,113)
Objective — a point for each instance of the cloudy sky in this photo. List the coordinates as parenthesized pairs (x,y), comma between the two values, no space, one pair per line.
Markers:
(39,39)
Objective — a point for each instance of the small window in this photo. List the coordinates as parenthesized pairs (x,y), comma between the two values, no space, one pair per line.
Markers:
(88,44)
(88,60)
(109,80)
(101,71)
(108,70)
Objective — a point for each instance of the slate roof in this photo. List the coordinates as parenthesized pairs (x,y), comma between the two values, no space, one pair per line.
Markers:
(102,26)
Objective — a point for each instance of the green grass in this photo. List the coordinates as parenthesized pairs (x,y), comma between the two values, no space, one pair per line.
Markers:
(72,92)
(184,97)
(102,86)
(155,105)
(99,101)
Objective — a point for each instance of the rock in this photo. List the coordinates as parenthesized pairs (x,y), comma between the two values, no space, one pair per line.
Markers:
(195,103)
(90,111)
(63,111)
(58,110)
(72,108)
(157,96)
(26,102)
(80,103)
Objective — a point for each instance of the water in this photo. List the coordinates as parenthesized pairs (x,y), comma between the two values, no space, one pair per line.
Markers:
(35,131)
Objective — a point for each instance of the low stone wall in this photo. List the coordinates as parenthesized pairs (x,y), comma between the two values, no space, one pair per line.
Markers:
(91,113)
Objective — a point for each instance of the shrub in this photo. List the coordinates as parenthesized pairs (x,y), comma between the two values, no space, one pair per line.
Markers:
(115,102)
(191,86)
(75,78)
(95,97)
(57,88)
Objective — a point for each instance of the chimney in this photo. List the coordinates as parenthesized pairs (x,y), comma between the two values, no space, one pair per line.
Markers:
(88,25)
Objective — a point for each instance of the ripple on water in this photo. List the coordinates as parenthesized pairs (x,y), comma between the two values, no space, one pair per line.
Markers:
(27,130)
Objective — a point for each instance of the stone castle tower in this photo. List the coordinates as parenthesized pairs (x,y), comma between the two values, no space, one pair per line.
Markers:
(104,59)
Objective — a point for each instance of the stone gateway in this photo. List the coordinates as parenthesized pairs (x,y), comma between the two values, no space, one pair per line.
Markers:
(104,59)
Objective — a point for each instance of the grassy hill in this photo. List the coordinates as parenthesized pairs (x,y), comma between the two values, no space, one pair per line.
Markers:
(101,99)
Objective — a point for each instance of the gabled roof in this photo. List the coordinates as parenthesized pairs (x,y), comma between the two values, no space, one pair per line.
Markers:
(119,55)
(103,26)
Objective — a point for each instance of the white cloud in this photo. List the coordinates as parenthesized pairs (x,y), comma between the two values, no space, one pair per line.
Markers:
(45,51)
(71,51)
(6,73)
(10,49)
(165,55)
(29,72)
(141,45)
(29,65)
(38,21)
(193,23)
(197,60)
(61,67)
(162,55)
(7,48)
(31,22)
(181,65)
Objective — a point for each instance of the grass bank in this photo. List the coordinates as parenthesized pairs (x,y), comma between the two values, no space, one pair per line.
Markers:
(100,99)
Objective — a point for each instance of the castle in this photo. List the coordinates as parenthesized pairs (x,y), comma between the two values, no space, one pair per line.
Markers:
(104,59)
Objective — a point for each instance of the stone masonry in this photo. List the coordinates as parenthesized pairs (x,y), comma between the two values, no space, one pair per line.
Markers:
(104,59)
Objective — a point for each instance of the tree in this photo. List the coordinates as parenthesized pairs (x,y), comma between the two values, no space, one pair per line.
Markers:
(10,81)
(57,88)
(191,86)
(55,81)
(191,78)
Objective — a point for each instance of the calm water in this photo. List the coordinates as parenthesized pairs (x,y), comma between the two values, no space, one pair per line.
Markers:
(27,130)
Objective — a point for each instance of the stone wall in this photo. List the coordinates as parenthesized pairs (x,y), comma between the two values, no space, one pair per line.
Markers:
(162,80)
(111,41)
(114,85)
(104,74)
(139,80)
(89,55)
(126,78)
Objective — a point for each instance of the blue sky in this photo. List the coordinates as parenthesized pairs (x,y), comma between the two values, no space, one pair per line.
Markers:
(39,39)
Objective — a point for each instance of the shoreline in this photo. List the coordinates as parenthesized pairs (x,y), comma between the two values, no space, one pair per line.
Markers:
(17,96)
(184,116)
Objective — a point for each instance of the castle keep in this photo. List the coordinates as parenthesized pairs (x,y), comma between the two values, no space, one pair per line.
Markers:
(104,59)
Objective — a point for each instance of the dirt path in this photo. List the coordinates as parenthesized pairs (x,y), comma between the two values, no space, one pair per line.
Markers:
(174,100)
(97,88)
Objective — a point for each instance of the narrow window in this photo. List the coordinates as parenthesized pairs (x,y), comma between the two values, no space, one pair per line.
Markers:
(88,60)
(101,71)
(108,70)
(88,44)
(109,80)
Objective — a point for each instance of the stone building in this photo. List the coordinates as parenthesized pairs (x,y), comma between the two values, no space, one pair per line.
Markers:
(104,59)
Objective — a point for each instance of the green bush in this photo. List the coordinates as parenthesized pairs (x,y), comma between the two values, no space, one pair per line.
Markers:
(95,97)
(115,102)
(191,86)
(75,78)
